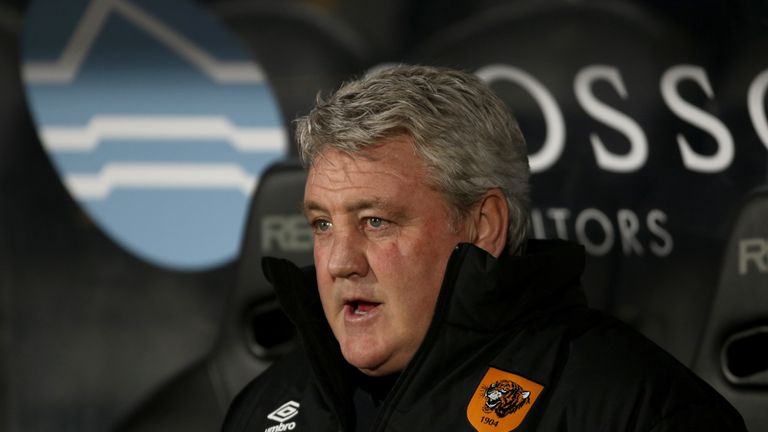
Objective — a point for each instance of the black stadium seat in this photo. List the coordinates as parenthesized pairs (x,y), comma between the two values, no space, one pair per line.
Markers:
(254,330)
(733,356)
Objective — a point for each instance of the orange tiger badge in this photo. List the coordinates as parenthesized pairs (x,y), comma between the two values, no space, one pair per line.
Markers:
(501,401)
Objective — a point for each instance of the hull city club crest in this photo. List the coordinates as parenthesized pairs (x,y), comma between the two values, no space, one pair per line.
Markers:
(501,401)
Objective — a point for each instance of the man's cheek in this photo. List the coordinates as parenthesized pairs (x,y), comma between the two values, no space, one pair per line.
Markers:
(321,254)
(333,311)
(387,259)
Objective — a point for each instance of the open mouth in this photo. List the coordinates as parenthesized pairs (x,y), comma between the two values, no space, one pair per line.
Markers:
(361,307)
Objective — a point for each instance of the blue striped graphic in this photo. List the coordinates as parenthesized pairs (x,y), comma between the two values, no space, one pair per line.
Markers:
(157,120)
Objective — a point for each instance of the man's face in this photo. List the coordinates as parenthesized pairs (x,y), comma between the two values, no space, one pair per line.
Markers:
(382,240)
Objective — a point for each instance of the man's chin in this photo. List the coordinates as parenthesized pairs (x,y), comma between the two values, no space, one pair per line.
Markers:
(376,372)
(371,363)
(366,364)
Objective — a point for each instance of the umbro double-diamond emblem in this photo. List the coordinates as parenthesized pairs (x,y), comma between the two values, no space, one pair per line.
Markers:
(281,415)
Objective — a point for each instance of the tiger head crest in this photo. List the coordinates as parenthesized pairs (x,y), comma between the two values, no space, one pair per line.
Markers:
(504,397)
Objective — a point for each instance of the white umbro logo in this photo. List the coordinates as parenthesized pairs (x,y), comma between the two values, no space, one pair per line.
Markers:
(284,413)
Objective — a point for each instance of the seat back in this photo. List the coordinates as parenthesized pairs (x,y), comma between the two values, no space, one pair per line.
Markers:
(254,331)
(733,355)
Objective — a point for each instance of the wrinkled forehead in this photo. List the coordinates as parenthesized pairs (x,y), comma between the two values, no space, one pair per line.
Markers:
(395,154)
(341,171)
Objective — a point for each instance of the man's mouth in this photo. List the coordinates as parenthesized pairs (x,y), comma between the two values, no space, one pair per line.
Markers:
(361,307)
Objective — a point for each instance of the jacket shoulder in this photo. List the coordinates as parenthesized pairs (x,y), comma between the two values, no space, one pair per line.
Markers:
(614,372)
(285,380)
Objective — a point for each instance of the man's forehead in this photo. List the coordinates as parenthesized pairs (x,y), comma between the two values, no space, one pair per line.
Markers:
(394,147)
(339,168)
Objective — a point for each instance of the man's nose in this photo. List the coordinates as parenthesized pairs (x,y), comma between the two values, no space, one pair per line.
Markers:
(347,256)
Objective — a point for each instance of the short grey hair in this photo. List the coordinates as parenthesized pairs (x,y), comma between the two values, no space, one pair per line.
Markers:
(465,134)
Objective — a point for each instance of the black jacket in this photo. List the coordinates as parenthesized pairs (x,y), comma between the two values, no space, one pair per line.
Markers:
(512,346)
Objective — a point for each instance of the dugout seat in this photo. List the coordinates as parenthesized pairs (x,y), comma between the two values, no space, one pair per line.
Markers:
(733,355)
(254,331)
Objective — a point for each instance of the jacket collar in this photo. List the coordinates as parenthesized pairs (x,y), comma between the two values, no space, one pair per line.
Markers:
(492,294)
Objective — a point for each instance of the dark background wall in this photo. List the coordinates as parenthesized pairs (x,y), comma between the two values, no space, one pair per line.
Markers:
(90,334)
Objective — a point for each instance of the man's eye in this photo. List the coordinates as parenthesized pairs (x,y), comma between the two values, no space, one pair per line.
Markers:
(375,222)
(322,225)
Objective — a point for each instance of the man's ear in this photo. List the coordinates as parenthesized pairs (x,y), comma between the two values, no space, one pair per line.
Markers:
(490,222)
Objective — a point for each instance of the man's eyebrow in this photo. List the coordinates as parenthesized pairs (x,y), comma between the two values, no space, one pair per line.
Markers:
(310,206)
(364,204)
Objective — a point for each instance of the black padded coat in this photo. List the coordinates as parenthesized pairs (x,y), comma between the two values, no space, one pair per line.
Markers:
(512,346)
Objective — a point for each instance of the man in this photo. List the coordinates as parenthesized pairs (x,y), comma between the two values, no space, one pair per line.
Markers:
(427,309)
